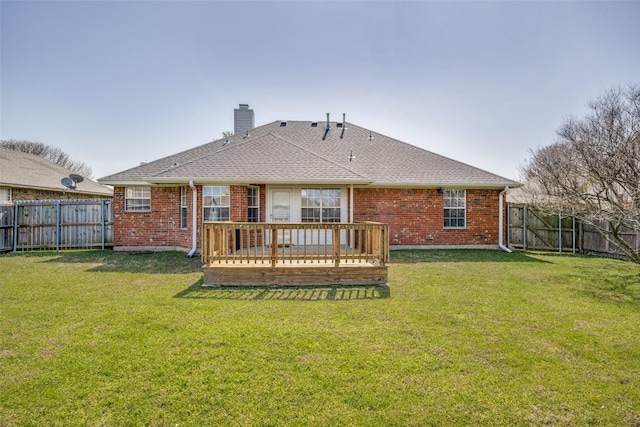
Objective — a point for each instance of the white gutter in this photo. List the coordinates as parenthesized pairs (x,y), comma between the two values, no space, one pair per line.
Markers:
(194,220)
(500,220)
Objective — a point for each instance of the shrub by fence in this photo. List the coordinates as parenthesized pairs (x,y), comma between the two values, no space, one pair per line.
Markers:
(56,224)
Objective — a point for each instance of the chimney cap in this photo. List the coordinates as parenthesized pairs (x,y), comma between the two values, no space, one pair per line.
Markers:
(244,106)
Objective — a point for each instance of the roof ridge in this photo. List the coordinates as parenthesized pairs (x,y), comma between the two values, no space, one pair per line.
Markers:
(320,156)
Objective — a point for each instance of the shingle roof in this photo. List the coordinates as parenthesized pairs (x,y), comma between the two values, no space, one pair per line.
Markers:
(297,152)
(22,170)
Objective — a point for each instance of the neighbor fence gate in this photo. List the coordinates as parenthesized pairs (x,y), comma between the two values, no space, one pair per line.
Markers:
(531,228)
(56,224)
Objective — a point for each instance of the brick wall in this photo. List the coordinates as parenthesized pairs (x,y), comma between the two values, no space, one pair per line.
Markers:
(415,216)
(158,228)
(161,226)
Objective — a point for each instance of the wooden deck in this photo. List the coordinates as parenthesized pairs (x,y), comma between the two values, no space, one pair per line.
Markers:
(287,254)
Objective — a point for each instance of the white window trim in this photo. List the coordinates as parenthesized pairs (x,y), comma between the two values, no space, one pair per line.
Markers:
(257,196)
(7,201)
(127,198)
(184,206)
(464,209)
(321,207)
(205,207)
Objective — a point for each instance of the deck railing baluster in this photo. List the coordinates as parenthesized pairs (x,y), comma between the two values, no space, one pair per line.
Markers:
(247,243)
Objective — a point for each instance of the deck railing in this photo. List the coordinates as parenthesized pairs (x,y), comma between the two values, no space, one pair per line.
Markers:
(295,243)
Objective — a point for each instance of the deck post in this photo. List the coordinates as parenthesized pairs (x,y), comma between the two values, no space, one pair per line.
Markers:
(274,246)
(336,246)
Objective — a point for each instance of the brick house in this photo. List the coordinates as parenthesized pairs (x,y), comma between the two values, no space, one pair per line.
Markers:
(307,171)
(25,176)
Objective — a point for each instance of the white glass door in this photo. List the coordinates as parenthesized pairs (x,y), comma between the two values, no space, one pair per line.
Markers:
(281,201)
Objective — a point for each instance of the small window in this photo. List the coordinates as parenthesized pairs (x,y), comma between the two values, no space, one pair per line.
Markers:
(253,204)
(5,196)
(137,199)
(183,207)
(455,208)
(216,202)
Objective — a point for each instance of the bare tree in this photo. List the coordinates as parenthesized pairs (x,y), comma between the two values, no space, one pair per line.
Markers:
(51,153)
(592,170)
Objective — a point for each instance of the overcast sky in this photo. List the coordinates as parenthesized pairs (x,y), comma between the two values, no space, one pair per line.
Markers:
(115,83)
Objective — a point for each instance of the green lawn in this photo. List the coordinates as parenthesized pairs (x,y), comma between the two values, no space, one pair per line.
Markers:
(465,337)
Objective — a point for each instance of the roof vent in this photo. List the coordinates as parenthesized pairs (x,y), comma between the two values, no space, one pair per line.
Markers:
(338,125)
(343,125)
(326,129)
(283,124)
(314,124)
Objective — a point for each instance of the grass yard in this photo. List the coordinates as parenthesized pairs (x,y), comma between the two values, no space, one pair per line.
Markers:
(465,337)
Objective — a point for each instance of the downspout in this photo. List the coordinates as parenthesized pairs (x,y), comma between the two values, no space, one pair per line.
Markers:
(500,220)
(194,220)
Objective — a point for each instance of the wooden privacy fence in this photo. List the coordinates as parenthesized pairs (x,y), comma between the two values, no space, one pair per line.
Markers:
(530,228)
(56,224)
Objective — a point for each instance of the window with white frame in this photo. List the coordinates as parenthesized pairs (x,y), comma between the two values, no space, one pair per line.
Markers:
(137,199)
(455,208)
(216,202)
(5,195)
(253,204)
(320,204)
(183,207)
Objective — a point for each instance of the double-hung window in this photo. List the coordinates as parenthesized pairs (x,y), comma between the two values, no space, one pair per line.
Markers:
(321,204)
(5,195)
(137,199)
(253,204)
(183,207)
(216,202)
(455,208)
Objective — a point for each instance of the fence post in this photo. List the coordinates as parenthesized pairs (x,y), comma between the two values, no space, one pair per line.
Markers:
(103,217)
(560,231)
(573,229)
(58,225)
(524,227)
(15,227)
(508,223)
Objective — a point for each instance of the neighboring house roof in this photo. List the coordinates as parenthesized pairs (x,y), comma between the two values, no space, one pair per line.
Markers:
(23,170)
(300,152)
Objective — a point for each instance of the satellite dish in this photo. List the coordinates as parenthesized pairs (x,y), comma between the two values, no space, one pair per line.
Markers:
(76,177)
(68,182)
